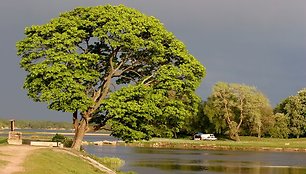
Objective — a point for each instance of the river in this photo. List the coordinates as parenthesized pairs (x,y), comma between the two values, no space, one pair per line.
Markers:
(180,161)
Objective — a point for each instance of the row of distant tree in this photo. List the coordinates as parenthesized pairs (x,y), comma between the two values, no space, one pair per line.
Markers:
(231,110)
(36,124)
(236,109)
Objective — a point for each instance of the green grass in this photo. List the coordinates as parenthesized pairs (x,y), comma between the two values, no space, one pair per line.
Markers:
(112,163)
(3,140)
(47,161)
(246,143)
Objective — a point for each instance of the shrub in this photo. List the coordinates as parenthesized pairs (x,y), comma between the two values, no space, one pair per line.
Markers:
(58,138)
(67,142)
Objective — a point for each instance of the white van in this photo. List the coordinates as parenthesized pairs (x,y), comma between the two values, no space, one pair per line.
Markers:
(201,136)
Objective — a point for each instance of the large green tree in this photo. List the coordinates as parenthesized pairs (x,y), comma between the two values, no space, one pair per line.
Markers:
(294,107)
(78,59)
(235,104)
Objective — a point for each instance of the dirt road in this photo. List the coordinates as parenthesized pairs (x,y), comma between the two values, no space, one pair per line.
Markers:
(15,156)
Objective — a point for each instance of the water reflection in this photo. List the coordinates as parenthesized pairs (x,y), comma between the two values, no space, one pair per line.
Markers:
(243,167)
(167,161)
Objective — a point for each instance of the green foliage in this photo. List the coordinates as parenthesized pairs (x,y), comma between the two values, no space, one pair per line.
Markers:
(67,142)
(140,112)
(73,60)
(280,127)
(294,107)
(231,107)
(58,138)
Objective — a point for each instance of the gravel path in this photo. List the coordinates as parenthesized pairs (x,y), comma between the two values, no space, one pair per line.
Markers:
(15,156)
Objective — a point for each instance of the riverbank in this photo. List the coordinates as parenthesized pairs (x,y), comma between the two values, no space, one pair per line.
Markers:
(26,159)
(246,144)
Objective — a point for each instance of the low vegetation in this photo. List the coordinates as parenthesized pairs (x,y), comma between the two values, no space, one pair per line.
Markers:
(3,140)
(67,142)
(112,163)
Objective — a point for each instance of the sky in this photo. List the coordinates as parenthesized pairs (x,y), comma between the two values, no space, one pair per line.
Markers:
(260,43)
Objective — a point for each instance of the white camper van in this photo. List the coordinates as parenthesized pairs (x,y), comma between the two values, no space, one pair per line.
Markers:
(201,136)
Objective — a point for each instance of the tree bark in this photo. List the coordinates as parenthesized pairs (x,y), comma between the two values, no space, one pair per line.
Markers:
(233,132)
(259,131)
(79,134)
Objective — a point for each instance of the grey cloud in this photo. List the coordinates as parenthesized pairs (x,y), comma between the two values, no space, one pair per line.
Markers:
(261,43)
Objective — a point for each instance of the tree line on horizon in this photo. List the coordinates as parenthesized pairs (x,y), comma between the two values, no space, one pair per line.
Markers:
(36,124)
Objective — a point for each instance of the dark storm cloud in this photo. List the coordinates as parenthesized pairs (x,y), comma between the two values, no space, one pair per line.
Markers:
(260,43)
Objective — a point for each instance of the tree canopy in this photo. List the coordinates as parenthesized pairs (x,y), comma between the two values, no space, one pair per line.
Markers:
(76,60)
(231,105)
(294,108)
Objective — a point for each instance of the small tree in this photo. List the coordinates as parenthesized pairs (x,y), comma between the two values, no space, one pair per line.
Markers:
(76,60)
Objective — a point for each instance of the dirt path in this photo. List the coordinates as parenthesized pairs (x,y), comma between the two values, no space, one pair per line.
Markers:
(15,156)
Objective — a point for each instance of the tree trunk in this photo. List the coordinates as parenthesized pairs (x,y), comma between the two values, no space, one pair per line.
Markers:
(79,135)
(233,132)
(234,136)
(259,131)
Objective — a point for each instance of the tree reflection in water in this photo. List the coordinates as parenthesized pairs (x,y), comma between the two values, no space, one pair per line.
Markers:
(220,166)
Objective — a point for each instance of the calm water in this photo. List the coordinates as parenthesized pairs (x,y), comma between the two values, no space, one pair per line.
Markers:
(178,161)
(170,161)
(90,138)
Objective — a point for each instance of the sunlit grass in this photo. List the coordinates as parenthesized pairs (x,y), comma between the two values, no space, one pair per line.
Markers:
(245,143)
(47,161)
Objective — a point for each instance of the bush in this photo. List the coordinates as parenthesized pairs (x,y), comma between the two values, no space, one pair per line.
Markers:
(67,142)
(58,138)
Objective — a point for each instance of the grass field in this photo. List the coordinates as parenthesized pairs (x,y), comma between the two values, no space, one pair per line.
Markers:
(246,143)
(48,161)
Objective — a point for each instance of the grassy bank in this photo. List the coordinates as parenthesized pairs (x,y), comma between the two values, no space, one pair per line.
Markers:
(48,161)
(246,143)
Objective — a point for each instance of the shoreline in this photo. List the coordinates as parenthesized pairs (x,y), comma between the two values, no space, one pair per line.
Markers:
(208,147)
(62,133)
(246,143)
